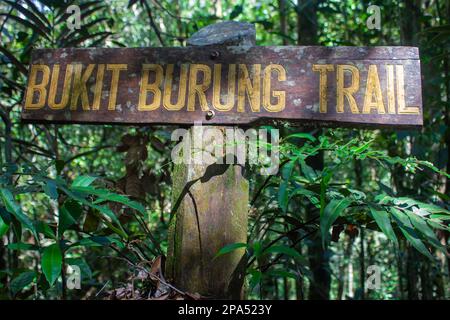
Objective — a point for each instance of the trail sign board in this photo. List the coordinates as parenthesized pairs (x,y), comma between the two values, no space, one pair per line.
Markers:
(226,85)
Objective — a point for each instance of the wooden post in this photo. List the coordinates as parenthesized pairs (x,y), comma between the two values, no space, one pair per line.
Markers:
(212,204)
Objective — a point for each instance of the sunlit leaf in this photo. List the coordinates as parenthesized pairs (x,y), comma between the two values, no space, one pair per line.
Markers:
(83,181)
(3,227)
(230,248)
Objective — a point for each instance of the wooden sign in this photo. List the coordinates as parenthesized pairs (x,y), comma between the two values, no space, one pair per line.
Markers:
(226,85)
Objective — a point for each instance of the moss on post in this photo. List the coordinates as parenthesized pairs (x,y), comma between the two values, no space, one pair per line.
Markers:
(212,205)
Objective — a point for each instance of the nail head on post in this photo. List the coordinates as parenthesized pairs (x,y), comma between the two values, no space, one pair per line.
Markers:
(210,114)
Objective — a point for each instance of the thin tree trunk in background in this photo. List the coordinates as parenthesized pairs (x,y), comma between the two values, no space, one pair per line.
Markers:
(341,278)
(447,125)
(8,158)
(12,260)
(412,278)
(426,281)
(362,268)
(440,279)
(181,33)
(319,263)
(299,290)
(370,255)
(350,272)
(410,22)
(2,259)
(283,20)
(411,26)
(307,24)
(346,260)
(286,287)
(400,269)
(318,259)
(274,285)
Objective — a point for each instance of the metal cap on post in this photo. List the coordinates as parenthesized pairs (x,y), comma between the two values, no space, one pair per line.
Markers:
(212,203)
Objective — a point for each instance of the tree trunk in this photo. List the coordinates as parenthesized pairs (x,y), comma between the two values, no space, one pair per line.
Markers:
(283,20)
(412,278)
(362,267)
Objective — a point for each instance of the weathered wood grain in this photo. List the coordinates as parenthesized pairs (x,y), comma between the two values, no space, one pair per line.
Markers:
(301,86)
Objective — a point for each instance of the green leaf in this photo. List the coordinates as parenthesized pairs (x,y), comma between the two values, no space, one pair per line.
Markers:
(59,165)
(309,172)
(433,209)
(3,227)
(65,220)
(436,224)
(257,249)
(301,135)
(324,182)
(440,216)
(311,195)
(21,281)
(13,208)
(74,208)
(98,241)
(22,246)
(283,196)
(106,195)
(286,251)
(361,149)
(69,213)
(51,263)
(384,222)
(255,278)
(45,229)
(83,181)
(50,189)
(409,233)
(104,210)
(331,212)
(421,225)
(230,248)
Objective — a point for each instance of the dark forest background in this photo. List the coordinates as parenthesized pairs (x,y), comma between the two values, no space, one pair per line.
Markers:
(99,197)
